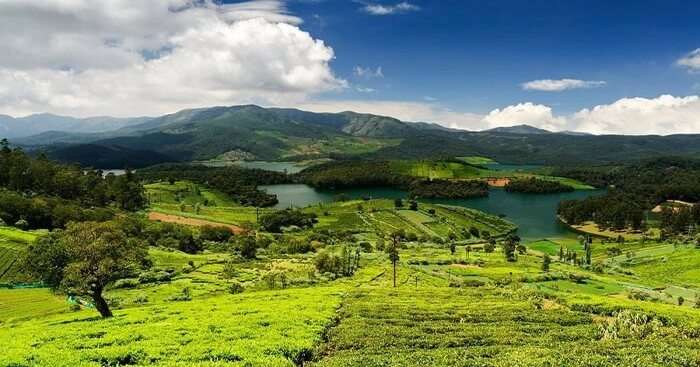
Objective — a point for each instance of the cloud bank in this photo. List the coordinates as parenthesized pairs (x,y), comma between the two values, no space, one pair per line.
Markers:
(122,57)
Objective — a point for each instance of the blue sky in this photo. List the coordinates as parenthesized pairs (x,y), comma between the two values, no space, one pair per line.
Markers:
(630,67)
(473,55)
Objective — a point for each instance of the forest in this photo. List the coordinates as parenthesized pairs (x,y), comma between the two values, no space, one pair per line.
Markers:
(39,193)
(632,189)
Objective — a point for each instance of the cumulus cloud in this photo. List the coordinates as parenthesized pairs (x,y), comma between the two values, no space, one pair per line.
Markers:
(367,72)
(663,115)
(691,61)
(133,57)
(379,9)
(560,85)
(525,113)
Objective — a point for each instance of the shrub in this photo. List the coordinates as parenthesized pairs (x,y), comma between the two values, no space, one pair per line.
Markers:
(185,295)
(215,234)
(274,222)
(235,288)
(126,283)
(366,246)
(489,247)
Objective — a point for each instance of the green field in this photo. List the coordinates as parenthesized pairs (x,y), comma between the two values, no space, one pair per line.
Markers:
(13,243)
(467,308)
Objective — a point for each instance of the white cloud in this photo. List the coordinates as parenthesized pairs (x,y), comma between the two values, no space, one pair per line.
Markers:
(379,9)
(663,115)
(559,85)
(525,113)
(136,57)
(365,90)
(691,60)
(367,72)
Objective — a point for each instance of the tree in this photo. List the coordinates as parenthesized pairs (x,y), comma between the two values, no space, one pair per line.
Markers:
(86,258)
(453,248)
(413,205)
(247,246)
(398,203)
(589,251)
(681,300)
(393,251)
(545,263)
(509,247)
(490,246)
(467,249)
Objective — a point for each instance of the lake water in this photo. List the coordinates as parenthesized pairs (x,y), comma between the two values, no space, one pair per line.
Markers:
(535,215)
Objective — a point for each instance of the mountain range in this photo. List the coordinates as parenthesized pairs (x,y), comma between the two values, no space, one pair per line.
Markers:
(255,133)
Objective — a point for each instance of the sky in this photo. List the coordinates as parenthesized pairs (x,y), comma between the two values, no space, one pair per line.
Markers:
(604,67)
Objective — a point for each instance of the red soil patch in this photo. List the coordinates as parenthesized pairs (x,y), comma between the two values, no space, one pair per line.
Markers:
(498,182)
(160,217)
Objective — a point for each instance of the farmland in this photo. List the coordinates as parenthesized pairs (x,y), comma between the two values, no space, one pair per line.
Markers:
(457,302)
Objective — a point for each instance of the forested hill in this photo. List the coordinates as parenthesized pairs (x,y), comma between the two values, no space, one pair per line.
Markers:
(256,133)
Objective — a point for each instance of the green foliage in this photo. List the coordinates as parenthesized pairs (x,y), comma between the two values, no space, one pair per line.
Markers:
(215,234)
(276,221)
(85,259)
(534,185)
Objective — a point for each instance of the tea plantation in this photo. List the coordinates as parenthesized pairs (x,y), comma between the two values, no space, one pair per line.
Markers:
(459,299)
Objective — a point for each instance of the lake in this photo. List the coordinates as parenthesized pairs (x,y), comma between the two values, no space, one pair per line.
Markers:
(535,215)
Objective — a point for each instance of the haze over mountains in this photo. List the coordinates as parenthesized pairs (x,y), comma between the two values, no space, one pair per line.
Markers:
(255,133)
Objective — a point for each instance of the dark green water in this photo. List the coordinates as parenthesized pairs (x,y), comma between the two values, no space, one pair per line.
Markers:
(535,215)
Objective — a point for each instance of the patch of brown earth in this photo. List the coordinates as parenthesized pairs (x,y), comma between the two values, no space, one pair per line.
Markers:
(498,182)
(169,218)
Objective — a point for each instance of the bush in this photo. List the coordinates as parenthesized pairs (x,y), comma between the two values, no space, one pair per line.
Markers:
(185,295)
(155,276)
(235,288)
(274,222)
(366,246)
(126,283)
(215,234)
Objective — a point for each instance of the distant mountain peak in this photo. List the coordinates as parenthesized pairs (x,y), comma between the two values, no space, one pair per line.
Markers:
(519,129)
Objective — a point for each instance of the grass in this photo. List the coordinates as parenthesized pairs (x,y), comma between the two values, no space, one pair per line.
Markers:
(248,329)
(13,242)
(477,160)
(449,309)
(22,304)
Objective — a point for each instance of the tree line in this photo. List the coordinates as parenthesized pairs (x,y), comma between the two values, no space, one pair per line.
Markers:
(633,189)
(36,192)
(534,185)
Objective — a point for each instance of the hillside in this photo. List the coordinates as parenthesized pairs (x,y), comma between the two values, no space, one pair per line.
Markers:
(257,133)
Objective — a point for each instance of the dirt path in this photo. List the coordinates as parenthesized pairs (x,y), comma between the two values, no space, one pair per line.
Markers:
(190,221)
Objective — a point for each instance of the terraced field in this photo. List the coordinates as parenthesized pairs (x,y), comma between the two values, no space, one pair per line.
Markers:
(12,244)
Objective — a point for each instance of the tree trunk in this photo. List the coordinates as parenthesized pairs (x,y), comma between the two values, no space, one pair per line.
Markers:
(101,305)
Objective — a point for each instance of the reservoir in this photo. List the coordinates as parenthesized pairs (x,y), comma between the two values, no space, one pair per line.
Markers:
(534,214)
